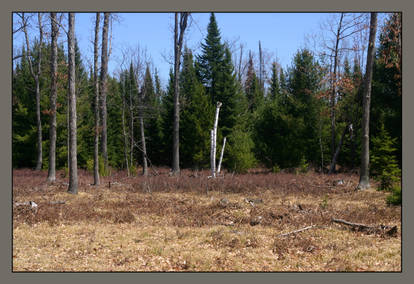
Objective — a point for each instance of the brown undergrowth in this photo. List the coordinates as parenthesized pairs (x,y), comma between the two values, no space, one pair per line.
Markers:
(193,223)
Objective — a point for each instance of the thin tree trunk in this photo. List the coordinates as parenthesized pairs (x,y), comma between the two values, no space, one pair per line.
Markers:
(214,141)
(144,147)
(338,149)
(212,160)
(103,89)
(36,77)
(221,155)
(131,125)
(51,176)
(320,145)
(364,173)
(178,42)
(333,93)
(38,118)
(96,86)
(39,128)
(261,67)
(73,167)
(123,126)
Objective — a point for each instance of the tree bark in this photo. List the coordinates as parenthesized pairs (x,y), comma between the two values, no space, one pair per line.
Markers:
(221,155)
(51,176)
(364,172)
(123,78)
(73,167)
(214,141)
(96,89)
(103,89)
(131,123)
(178,42)
(333,93)
(144,147)
(36,77)
(338,149)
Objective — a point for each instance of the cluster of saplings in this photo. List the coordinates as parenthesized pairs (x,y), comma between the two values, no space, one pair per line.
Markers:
(280,120)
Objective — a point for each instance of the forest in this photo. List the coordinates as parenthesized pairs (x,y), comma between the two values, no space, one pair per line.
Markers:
(234,141)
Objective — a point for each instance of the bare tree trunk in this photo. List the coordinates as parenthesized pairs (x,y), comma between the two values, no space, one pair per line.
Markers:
(214,141)
(178,42)
(73,166)
(333,93)
(261,67)
(364,173)
(144,147)
(36,77)
(51,176)
(212,159)
(240,63)
(131,125)
(221,155)
(320,145)
(103,88)
(338,149)
(123,126)
(96,86)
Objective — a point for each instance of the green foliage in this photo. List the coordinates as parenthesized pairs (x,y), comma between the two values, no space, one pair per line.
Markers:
(303,166)
(89,167)
(395,198)
(240,155)
(324,202)
(276,169)
(196,118)
(384,166)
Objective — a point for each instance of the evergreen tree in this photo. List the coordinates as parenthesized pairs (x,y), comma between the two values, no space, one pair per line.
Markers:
(208,64)
(253,90)
(304,81)
(167,116)
(196,119)
(274,91)
(384,164)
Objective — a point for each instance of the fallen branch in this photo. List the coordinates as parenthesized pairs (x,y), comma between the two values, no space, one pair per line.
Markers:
(379,229)
(33,204)
(297,231)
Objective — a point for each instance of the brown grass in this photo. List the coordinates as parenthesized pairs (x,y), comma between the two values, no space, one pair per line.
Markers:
(191,223)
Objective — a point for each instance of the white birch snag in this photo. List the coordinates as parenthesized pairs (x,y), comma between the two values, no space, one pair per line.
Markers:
(214,141)
(221,155)
(213,165)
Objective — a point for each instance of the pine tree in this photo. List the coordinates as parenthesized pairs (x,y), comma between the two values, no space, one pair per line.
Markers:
(274,91)
(167,116)
(196,119)
(208,64)
(384,164)
(304,80)
(252,88)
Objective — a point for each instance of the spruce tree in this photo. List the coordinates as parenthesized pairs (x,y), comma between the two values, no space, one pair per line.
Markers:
(196,119)
(208,64)
(274,91)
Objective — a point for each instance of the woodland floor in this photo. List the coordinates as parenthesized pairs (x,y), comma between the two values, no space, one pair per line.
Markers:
(192,223)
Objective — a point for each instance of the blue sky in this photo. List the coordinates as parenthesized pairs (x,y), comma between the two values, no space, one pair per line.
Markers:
(281,34)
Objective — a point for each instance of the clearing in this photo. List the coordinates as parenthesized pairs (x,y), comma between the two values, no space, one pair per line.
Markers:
(192,223)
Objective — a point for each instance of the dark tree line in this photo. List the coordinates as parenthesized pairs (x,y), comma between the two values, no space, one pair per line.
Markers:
(296,117)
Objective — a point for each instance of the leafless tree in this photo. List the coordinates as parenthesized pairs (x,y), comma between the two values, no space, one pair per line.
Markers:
(364,172)
(96,110)
(103,88)
(179,29)
(53,94)
(73,167)
(36,77)
(340,29)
